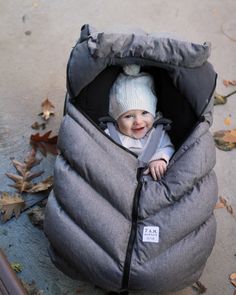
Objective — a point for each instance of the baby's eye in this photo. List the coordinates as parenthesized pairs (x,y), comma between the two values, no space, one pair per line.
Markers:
(145,112)
(128,116)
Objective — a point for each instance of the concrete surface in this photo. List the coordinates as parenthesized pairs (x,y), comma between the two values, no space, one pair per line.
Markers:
(36,37)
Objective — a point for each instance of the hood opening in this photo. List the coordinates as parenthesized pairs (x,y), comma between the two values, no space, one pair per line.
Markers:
(93,100)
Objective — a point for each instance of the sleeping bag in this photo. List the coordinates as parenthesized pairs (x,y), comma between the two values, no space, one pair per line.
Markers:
(107,223)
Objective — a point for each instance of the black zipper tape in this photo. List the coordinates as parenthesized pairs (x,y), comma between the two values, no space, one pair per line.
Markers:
(129,251)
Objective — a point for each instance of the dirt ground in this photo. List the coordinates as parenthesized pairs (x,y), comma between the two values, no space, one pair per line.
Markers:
(36,37)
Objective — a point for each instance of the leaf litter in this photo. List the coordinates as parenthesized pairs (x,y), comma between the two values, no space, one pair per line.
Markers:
(10,205)
(228,120)
(222,99)
(37,126)
(223,203)
(36,216)
(199,287)
(232,279)
(225,139)
(47,109)
(229,82)
(23,180)
(44,143)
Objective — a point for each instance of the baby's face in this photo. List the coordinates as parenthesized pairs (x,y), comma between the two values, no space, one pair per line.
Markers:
(135,123)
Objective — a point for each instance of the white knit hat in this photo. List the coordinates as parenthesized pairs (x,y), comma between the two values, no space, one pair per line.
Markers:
(132,91)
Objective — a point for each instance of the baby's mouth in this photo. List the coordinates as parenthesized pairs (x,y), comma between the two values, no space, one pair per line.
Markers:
(138,129)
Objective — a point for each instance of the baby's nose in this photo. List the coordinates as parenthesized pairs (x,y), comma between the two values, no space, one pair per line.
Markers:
(138,120)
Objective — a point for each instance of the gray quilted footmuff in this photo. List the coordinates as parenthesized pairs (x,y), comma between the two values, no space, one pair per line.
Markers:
(107,223)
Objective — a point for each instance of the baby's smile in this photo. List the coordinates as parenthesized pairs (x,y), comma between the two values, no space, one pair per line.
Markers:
(135,123)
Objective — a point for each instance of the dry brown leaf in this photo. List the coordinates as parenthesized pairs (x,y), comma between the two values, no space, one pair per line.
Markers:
(10,205)
(23,181)
(37,126)
(47,107)
(199,287)
(222,203)
(232,278)
(41,186)
(229,82)
(219,99)
(230,136)
(36,216)
(219,205)
(225,139)
(222,99)
(44,143)
(227,121)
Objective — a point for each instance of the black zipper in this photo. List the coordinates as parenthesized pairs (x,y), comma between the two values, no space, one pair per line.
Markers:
(129,251)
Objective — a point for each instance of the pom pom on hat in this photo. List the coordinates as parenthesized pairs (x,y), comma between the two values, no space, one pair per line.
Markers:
(132,91)
(131,70)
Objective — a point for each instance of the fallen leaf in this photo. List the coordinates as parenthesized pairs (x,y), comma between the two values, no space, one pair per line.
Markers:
(36,216)
(44,143)
(222,203)
(219,99)
(230,136)
(10,205)
(222,99)
(225,139)
(41,186)
(23,181)
(17,267)
(31,159)
(219,205)
(229,82)
(47,108)
(227,121)
(232,278)
(199,287)
(37,126)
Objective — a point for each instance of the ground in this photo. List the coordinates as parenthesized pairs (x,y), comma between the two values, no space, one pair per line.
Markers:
(36,37)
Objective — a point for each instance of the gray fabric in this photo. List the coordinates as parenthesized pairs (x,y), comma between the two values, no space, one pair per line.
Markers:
(160,48)
(89,213)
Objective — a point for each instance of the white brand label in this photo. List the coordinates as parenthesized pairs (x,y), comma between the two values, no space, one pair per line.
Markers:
(151,234)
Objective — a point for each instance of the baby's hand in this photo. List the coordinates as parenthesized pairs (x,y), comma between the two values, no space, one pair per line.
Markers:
(157,169)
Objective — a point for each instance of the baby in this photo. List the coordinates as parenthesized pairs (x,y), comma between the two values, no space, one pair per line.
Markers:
(133,105)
